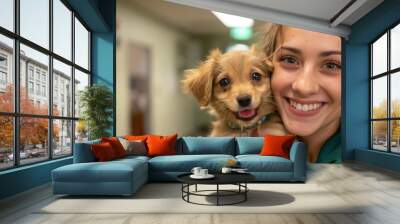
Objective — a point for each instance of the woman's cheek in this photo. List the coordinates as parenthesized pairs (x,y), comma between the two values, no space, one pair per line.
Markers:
(334,88)
(279,81)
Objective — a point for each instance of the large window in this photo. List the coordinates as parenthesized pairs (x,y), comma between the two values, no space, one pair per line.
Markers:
(385,91)
(44,64)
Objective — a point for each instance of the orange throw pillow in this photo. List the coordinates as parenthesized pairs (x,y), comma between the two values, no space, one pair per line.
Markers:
(161,145)
(116,145)
(277,145)
(135,137)
(103,152)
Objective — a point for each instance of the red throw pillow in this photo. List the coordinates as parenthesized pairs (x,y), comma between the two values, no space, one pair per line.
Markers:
(135,137)
(103,152)
(161,145)
(277,145)
(116,145)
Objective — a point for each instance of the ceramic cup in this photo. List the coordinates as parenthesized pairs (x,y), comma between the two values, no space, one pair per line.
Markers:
(196,171)
(226,170)
(203,172)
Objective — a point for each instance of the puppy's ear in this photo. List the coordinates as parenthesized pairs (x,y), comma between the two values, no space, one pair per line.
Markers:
(199,81)
(268,62)
(254,49)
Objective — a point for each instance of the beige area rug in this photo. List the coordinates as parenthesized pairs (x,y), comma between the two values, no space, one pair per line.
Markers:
(166,198)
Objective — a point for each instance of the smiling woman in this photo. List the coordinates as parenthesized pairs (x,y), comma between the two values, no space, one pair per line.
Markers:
(306,83)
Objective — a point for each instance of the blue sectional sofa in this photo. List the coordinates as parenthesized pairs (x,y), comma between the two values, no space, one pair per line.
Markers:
(125,176)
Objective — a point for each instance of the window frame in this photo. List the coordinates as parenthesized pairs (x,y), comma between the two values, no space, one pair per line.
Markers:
(16,115)
(388,74)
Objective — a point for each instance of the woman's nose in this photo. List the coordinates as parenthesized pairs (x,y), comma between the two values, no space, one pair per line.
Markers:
(306,82)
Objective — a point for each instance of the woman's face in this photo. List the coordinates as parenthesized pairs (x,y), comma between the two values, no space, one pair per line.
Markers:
(306,81)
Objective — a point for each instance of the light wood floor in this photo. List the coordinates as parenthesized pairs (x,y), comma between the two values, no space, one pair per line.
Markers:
(378,188)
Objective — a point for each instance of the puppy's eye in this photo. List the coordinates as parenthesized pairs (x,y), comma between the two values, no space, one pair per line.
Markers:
(256,76)
(224,82)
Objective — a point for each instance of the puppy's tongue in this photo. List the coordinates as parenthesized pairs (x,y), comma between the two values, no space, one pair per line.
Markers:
(247,113)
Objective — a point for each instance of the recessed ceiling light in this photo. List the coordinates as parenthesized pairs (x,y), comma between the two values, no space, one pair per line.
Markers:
(233,21)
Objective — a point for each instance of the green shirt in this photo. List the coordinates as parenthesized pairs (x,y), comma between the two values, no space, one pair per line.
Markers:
(331,151)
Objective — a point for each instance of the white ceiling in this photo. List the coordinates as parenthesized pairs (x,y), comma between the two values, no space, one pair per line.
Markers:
(194,16)
(317,15)
(319,9)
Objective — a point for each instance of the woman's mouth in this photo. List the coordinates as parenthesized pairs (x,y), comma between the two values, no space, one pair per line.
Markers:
(246,114)
(304,108)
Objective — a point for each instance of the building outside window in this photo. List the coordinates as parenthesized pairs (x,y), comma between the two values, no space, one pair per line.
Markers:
(38,89)
(30,87)
(43,90)
(3,78)
(37,75)
(57,125)
(3,72)
(3,81)
(30,72)
(3,61)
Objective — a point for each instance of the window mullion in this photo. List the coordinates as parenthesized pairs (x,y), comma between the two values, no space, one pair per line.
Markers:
(16,84)
(371,89)
(389,106)
(50,81)
(73,82)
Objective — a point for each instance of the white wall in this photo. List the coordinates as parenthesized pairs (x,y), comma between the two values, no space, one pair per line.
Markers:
(171,110)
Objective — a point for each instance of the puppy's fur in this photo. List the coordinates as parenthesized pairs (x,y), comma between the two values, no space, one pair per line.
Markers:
(222,80)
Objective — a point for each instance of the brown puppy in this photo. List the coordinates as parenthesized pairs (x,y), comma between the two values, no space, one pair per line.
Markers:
(235,86)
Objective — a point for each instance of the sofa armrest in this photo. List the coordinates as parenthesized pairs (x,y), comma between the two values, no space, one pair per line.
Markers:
(83,152)
(298,155)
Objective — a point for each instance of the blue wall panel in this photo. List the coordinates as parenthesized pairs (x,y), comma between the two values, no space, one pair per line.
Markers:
(356,75)
(356,110)
(24,178)
(103,64)
(377,158)
(90,12)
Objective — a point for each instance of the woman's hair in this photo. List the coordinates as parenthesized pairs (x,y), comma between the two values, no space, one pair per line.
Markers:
(269,38)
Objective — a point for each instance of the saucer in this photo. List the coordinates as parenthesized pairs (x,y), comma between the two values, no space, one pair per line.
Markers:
(208,176)
(240,171)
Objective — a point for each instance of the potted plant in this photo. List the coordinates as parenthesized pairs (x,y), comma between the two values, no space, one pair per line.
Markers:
(96,102)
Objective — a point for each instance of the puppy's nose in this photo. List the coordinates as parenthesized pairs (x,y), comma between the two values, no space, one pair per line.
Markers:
(244,101)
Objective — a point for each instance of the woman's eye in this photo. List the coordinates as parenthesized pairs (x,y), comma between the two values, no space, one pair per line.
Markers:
(224,82)
(332,66)
(256,76)
(290,60)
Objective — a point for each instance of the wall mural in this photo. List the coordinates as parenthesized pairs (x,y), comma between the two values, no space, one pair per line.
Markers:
(209,77)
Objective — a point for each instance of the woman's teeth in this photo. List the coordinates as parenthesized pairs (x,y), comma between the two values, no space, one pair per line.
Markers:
(305,107)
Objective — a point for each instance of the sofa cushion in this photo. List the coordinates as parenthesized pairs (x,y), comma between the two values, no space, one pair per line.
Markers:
(94,172)
(134,147)
(257,163)
(161,145)
(277,145)
(207,145)
(103,152)
(116,145)
(136,137)
(249,145)
(185,163)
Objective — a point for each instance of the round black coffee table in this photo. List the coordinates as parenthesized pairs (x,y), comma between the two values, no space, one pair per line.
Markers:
(238,179)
